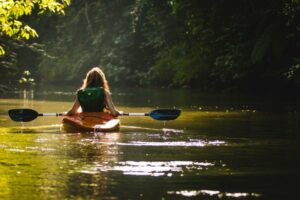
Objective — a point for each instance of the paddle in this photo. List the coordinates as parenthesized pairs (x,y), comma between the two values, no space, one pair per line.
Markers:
(26,114)
(158,114)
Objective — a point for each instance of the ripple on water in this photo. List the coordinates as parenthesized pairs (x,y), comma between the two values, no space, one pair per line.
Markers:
(216,193)
(190,143)
(176,131)
(30,149)
(16,150)
(147,168)
(41,140)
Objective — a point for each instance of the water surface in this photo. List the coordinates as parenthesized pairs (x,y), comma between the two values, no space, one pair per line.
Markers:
(221,147)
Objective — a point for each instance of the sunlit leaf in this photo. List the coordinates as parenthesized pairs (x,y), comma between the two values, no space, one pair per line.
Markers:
(2,52)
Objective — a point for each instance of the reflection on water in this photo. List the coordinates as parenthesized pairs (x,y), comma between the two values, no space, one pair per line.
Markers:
(191,143)
(216,149)
(53,128)
(169,131)
(145,168)
(220,195)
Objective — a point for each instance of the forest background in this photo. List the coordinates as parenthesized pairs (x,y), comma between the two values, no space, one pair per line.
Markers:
(210,45)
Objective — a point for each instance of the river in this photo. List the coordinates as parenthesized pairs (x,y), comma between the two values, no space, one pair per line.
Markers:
(221,147)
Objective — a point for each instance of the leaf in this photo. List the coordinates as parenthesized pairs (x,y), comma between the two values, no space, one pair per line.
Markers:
(2,52)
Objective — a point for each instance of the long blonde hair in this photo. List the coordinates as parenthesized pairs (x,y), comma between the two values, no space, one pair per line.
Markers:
(95,78)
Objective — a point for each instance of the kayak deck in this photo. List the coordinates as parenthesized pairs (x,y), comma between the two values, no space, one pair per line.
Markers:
(91,121)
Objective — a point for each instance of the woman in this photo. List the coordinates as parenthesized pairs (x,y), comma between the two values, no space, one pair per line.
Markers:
(94,95)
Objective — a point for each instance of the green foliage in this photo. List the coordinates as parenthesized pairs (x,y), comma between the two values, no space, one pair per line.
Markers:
(12,12)
(217,45)
(15,17)
(103,36)
(293,74)
(2,52)
(26,81)
(181,66)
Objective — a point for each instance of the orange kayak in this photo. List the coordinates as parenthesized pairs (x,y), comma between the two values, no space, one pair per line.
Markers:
(91,121)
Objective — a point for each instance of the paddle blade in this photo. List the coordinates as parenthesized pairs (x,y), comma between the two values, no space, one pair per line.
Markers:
(22,115)
(165,114)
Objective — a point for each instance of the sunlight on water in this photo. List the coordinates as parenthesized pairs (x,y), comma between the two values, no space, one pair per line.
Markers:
(139,127)
(41,140)
(164,130)
(219,194)
(168,131)
(145,168)
(31,149)
(191,143)
(53,128)
(16,150)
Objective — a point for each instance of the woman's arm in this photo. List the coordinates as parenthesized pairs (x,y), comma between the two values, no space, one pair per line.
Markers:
(110,105)
(74,108)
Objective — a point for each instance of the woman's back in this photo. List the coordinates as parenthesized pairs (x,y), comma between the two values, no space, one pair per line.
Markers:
(91,99)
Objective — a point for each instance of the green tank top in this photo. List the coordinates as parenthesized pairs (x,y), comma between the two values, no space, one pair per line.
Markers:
(91,99)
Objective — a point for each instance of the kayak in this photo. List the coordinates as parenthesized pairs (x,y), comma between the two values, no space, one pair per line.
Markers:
(91,122)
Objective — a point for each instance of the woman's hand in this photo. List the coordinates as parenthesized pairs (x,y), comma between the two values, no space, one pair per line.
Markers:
(68,113)
(115,113)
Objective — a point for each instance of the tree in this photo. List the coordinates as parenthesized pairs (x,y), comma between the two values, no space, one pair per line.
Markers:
(210,45)
(12,12)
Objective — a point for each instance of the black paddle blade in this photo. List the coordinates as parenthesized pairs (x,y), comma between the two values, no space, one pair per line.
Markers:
(165,114)
(23,115)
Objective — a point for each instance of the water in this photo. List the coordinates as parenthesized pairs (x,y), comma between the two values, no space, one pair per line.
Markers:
(221,147)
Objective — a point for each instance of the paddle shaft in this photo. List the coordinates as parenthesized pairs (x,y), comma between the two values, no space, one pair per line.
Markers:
(121,114)
(134,114)
(51,114)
